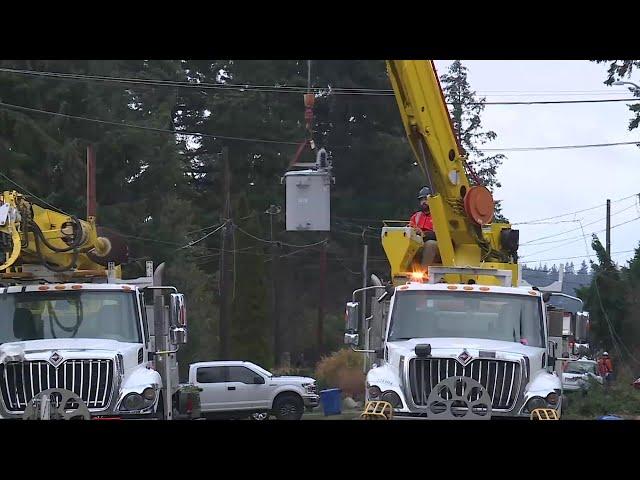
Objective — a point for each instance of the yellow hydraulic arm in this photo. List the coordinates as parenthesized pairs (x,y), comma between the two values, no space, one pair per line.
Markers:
(462,213)
(34,236)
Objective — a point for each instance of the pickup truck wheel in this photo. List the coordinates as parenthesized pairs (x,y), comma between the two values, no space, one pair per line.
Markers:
(288,407)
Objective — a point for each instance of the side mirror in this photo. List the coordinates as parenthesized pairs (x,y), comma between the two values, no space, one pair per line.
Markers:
(178,335)
(351,317)
(178,310)
(258,380)
(551,361)
(351,339)
(389,290)
(379,353)
(546,296)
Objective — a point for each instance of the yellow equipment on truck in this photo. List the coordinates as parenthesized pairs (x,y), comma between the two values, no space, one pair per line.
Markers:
(76,340)
(462,213)
(461,340)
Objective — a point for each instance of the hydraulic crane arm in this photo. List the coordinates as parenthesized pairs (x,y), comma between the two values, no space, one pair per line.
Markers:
(462,213)
(32,236)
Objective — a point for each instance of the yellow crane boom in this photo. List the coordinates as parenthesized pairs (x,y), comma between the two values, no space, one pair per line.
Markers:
(462,213)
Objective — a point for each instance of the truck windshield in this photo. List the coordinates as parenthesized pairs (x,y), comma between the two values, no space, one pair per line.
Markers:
(100,314)
(434,314)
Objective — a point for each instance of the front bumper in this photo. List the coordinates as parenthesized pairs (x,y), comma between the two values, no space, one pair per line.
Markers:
(311,400)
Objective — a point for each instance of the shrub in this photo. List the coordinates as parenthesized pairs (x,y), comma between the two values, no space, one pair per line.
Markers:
(343,370)
(620,398)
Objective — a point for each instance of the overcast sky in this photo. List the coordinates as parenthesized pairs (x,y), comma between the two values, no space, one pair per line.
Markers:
(548,183)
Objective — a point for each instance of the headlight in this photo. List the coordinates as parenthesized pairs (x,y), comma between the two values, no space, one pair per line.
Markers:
(535,402)
(393,398)
(137,401)
(149,394)
(133,401)
(374,392)
(310,387)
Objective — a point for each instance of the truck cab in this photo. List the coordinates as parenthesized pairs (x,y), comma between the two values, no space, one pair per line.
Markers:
(103,342)
(465,351)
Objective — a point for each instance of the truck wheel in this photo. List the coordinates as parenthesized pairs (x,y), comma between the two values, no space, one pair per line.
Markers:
(288,407)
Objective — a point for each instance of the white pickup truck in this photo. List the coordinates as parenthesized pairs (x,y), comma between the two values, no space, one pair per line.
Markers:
(236,389)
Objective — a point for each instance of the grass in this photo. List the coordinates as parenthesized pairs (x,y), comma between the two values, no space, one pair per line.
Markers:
(620,399)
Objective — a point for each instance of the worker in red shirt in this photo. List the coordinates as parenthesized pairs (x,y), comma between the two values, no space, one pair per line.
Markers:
(423,223)
(605,368)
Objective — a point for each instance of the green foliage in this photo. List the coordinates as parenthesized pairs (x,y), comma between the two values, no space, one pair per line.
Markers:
(620,398)
(612,301)
(622,70)
(342,369)
(466,110)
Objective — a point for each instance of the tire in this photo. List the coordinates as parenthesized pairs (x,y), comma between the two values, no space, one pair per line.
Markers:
(288,407)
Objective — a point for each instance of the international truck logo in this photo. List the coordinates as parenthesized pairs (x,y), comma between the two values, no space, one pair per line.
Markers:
(55,359)
(464,357)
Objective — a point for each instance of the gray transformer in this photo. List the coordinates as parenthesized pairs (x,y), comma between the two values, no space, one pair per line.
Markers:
(308,200)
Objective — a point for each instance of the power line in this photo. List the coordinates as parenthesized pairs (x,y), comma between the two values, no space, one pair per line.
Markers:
(534,241)
(580,237)
(202,238)
(280,242)
(150,129)
(276,89)
(573,257)
(269,141)
(557,147)
(33,194)
(573,213)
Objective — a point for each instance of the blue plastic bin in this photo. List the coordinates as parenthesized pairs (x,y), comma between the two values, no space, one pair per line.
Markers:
(331,401)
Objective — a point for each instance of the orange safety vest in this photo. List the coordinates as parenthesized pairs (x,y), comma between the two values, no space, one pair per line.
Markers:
(605,366)
(421,220)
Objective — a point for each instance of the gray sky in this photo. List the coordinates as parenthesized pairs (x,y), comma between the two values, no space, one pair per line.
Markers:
(548,183)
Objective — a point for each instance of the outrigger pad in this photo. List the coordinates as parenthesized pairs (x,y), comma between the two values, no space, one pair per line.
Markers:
(544,414)
(377,410)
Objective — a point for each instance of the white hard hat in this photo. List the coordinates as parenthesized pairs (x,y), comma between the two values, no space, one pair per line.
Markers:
(605,354)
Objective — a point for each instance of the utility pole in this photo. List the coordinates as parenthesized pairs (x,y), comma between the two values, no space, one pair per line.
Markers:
(275,310)
(91,182)
(227,233)
(321,300)
(363,309)
(608,247)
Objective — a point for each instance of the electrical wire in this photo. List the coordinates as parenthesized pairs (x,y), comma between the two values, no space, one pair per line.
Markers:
(276,89)
(572,213)
(33,194)
(280,242)
(149,129)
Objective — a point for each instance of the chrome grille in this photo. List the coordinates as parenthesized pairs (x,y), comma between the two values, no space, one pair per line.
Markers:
(501,378)
(91,380)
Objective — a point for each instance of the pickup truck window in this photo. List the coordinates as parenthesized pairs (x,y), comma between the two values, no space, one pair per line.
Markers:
(211,375)
(242,375)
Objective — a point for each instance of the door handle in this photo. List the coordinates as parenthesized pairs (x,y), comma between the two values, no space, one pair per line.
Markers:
(231,388)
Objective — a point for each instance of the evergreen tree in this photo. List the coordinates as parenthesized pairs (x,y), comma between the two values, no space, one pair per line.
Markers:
(584,268)
(622,70)
(466,111)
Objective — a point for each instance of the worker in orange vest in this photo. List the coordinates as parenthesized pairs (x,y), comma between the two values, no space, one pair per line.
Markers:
(423,223)
(605,367)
